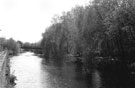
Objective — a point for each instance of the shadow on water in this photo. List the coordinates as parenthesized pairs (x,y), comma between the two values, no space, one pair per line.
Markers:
(109,77)
(117,80)
(117,76)
(55,61)
(71,75)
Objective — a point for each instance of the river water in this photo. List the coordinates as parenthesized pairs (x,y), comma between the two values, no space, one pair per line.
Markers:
(32,72)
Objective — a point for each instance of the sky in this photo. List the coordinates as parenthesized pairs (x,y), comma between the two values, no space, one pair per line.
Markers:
(26,20)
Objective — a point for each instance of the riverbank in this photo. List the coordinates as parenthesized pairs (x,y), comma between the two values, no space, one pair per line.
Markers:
(5,76)
(4,69)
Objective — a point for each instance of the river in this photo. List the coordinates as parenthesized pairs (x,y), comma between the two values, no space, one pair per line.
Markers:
(32,72)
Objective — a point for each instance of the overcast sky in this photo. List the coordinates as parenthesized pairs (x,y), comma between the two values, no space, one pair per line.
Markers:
(26,20)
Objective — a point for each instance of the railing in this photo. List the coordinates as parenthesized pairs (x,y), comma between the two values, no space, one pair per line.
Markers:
(3,69)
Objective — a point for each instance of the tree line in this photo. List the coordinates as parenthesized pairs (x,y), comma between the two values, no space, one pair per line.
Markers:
(104,29)
(11,45)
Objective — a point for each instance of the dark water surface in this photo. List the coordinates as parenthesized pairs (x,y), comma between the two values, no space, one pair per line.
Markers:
(31,72)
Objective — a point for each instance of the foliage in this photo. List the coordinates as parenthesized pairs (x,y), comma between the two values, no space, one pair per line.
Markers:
(12,80)
(10,44)
(104,28)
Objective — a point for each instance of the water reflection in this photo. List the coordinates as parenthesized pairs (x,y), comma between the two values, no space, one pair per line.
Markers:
(33,72)
(64,76)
